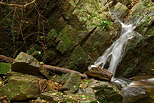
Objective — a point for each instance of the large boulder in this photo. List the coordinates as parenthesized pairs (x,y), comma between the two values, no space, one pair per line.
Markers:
(102,91)
(21,87)
(120,10)
(27,64)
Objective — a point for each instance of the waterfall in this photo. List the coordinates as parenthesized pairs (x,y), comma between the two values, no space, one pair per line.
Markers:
(115,52)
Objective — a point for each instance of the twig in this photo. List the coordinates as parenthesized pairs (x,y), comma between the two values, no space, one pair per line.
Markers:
(18,5)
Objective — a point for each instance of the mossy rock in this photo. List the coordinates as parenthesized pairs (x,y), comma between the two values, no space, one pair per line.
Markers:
(65,39)
(72,82)
(104,92)
(21,87)
(79,59)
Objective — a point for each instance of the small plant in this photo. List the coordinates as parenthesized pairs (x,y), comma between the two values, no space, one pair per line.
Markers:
(105,23)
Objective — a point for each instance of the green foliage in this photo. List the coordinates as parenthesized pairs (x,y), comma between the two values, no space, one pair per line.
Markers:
(104,24)
(72,2)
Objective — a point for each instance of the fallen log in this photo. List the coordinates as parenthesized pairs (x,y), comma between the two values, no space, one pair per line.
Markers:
(62,70)
(44,66)
(6,59)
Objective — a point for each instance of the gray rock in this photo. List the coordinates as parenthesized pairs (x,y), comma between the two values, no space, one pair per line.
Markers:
(72,81)
(27,64)
(25,58)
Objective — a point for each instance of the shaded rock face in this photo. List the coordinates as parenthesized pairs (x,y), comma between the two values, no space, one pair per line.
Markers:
(6,45)
(76,45)
(138,60)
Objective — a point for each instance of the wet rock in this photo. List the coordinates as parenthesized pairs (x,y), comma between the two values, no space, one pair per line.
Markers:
(26,64)
(72,82)
(141,15)
(120,10)
(135,94)
(144,81)
(121,82)
(102,74)
(103,91)
(21,87)
(5,68)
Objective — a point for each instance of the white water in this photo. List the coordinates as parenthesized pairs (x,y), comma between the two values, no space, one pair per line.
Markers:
(115,52)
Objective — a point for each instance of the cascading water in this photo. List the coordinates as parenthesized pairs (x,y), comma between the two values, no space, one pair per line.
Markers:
(115,51)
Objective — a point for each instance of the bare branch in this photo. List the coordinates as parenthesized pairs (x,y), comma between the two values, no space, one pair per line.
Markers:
(18,5)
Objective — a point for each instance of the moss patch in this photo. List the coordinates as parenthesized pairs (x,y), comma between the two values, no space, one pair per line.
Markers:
(78,59)
(5,68)
(66,41)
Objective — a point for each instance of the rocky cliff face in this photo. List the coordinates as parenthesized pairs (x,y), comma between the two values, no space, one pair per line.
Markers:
(74,33)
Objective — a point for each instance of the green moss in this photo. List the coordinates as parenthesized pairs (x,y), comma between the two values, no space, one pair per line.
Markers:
(66,41)
(52,34)
(73,2)
(5,68)
(92,13)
